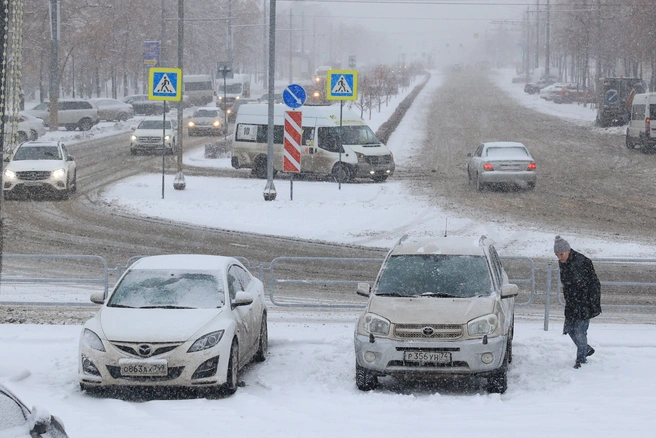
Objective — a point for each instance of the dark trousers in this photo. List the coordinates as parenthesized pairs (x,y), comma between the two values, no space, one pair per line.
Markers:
(579,334)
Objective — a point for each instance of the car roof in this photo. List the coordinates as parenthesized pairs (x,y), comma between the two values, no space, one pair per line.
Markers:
(208,108)
(40,143)
(471,246)
(193,262)
(488,144)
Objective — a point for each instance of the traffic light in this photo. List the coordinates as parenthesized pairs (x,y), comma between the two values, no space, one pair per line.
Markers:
(352,61)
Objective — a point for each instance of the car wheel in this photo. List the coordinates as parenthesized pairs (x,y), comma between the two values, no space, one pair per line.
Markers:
(260,167)
(33,134)
(263,344)
(21,137)
(629,142)
(65,194)
(70,127)
(497,383)
(342,172)
(133,151)
(531,185)
(479,185)
(364,379)
(6,195)
(232,375)
(122,117)
(85,124)
(73,188)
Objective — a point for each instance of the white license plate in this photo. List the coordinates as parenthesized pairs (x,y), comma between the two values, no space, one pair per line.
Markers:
(144,368)
(33,184)
(427,356)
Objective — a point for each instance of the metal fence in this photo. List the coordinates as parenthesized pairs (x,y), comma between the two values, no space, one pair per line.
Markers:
(320,281)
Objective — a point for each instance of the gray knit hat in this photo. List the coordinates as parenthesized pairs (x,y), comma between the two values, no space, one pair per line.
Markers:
(561,245)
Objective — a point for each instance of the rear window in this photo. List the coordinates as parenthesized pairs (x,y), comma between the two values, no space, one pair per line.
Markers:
(519,152)
(418,274)
(638,112)
(652,112)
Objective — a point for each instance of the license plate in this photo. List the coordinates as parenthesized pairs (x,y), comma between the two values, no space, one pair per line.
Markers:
(143,368)
(427,356)
(33,184)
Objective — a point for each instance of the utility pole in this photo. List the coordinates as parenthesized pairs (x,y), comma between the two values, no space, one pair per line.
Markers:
(291,49)
(179,181)
(162,37)
(598,63)
(527,60)
(547,54)
(270,188)
(3,104)
(264,44)
(537,34)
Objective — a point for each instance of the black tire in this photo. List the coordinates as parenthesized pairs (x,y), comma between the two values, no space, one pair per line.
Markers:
(73,187)
(33,134)
(364,379)
(133,151)
(479,185)
(346,172)
(629,142)
(7,196)
(263,343)
(85,124)
(65,194)
(380,178)
(21,137)
(260,167)
(232,375)
(497,383)
(122,117)
(469,178)
(531,186)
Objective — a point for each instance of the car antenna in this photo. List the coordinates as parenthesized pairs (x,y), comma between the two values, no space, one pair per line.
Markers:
(445,219)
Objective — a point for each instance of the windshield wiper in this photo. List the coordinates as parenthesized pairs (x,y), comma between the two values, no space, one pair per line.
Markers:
(439,295)
(123,306)
(391,294)
(165,307)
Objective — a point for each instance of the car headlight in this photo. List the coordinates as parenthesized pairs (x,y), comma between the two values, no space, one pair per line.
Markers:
(361,157)
(133,138)
(207,341)
(483,325)
(376,325)
(167,137)
(216,123)
(92,340)
(59,173)
(191,124)
(10,174)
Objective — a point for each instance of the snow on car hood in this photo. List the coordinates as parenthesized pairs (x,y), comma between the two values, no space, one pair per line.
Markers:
(24,165)
(369,149)
(153,325)
(422,310)
(151,132)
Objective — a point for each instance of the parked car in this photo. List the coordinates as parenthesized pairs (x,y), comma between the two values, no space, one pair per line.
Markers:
(206,319)
(207,121)
(72,114)
(234,109)
(18,421)
(440,307)
(40,167)
(113,109)
(147,137)
(141,104)
(572,93)
(502,162)
(21,127)
(535,87)
(553,90)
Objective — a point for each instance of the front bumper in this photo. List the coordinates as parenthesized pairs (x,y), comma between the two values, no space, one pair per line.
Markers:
(40,181)
(149,147)
(375,166)
(388,356)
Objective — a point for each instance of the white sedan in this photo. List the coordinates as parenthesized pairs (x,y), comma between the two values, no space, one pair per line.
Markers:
(502,163)
(176,321)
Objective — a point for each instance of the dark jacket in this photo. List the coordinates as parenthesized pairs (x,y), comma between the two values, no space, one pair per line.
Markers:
(581,288)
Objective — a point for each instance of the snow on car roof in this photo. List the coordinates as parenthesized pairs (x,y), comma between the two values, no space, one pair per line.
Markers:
(196,262)
(440,245)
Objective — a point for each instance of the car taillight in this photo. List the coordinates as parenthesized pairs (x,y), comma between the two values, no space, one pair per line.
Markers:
(531,166)
(647,127)
(488,167)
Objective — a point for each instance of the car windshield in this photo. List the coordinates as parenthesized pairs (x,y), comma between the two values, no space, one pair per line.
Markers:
(206,113)
(42,106)
(11,414)
(359,134)
(153,124)
(510,152)
(230,88)
(37,153)
(160,288)
(435,275)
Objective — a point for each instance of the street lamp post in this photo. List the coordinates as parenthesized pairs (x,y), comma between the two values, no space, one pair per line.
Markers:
(224,70)
(179,180)
(54,65)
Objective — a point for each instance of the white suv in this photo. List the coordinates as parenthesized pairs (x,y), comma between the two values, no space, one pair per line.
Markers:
(72,114)
(40,166)
(147,137)
(440,307)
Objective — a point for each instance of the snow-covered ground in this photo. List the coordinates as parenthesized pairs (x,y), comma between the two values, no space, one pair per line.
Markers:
(306,387)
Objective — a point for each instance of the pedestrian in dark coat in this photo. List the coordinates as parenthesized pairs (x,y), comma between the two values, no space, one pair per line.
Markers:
(582,293)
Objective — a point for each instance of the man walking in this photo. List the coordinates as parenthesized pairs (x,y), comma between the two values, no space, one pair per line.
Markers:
(582,292)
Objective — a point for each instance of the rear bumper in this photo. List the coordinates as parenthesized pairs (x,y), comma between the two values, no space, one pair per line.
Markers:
(497,177)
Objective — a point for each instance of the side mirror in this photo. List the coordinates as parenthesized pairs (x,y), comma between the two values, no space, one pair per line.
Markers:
(363,289)
(509,290)
(242,299)
(469,154)
(40,418)
(98,297)
(71,158)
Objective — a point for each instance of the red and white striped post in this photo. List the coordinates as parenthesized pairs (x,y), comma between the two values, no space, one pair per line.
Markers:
(291,159)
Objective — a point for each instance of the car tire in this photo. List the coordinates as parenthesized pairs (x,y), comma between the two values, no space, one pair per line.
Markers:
(73,187)
(497,382)
(122,117)
(232,374)
(346,172)
(64,195)
(364,379)
(85,124)
(21,137)
(629,142)
(531,185)
(133,151)
(263,342)
(70,127)
(260,167)
(6,195)
(33,134)
(479,185)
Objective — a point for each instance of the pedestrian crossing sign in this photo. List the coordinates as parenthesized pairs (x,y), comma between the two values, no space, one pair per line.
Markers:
(342,85)
(165,84)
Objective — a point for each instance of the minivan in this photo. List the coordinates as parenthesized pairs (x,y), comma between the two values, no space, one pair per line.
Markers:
(360,153)
(439,307)
(641,131)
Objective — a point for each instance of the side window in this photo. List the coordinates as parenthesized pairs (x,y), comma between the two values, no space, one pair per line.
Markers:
(638,112)
(328,139)
(234,284)
(243,275)
(307,138)
(479,151)
(496,266)
(652,111)
(247,132)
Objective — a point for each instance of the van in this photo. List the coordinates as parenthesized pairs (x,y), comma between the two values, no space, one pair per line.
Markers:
(362,154)
(199,89)
(641,131)
(237,87)
(441,307)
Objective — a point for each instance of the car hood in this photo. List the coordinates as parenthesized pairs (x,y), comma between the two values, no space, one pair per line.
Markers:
(206,120)
(153,325)
(151,132)
(369,149)
(422,310)
(26,165)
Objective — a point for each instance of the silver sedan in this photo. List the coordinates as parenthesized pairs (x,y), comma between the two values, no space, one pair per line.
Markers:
(501,162)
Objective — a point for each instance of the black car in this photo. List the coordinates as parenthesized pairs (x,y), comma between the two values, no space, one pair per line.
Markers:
(535,87)
(142,105)
(18,421)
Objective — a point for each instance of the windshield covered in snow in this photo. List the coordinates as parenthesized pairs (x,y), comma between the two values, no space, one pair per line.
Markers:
(37,153)
(507,151)
(160,288)
(435,275)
